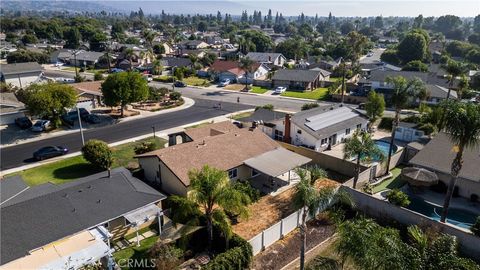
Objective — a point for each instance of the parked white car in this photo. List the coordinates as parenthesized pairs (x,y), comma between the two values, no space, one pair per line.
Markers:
(280,89)
(224,82)
(40,125)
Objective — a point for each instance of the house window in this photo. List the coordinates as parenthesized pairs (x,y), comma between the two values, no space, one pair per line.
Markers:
(299,131)
(232,173)
(278,135)
(255,173)
(324,141)
(347,131)
(359,126)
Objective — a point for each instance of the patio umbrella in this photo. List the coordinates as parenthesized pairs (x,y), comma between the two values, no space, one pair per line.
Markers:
(419,176)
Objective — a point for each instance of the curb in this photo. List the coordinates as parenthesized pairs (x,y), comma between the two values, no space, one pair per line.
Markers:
(187,104)
(161,133)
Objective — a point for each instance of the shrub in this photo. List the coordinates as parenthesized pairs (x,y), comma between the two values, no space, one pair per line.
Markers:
(166,256)
(386,123)
(476,227)
(238,257)
(428,128)
(415,65)
(165,79)
(324,263)
(97,76)
(175,95)
(246,188)
(308,106)
(144,147)
(98,154)
(398,198)
(266,106)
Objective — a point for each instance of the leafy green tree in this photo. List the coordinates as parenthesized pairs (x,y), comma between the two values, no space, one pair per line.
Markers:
(22,56)
(246,64)
(123,88)
(97,41)
(356,44)
(73,37)
(462,124)
(98,154)
(375,106)
(29,39)
(403,92)
(158,49)
(363,148)
(415,65)
(212,192)
(397,197)
(166,256)
(202,26)
(261,42)
(97,76)
(412,47)
(48,100)
(311,200)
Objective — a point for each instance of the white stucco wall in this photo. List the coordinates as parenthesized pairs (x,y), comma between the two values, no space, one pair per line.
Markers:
(22,80)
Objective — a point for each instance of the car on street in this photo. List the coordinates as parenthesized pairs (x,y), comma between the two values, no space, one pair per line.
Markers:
(224,82)
(92,118)
(280,89)
(180,84)
(70,117)
(148,77)
(64,80)
(23,122)
(49,152)
(40,125)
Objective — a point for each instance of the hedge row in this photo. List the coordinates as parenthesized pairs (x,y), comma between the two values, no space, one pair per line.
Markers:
(239,256)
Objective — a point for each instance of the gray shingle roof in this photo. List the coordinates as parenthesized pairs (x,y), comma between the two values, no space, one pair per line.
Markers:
(176,62)
(263,57)
(88,56)
(11,186)
(34,221)
(300,119)
(437,155)
(439,91)
(297,75)
(263,115)
(19,68)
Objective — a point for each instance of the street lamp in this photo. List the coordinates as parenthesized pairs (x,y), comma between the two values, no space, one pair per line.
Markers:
(80,124)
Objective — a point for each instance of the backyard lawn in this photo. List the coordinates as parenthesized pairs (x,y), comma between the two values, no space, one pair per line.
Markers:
(134,252)
(66,170)
(395,181)
(196,81)
(259,90)
(317,94)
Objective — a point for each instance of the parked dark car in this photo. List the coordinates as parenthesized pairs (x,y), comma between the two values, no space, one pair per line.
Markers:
(93,118)
(72,116)
(23,122)
(180,84)
(49,152)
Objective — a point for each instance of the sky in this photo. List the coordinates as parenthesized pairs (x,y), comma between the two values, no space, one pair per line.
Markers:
(340,8)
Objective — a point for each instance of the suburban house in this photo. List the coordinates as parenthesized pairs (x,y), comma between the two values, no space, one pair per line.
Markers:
(193,44)
(61,56)
(53,226)
(231,70)
(271,59)
(10,108)
(21,74)
(169,62)
(85,58)
(270,122)
(329,65)
(408,132)
(299,79)
(89,94)
(437,156)
(437,93)
(326,126)
(246,154)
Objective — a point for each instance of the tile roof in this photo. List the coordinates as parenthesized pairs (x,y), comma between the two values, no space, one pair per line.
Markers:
(438,155)
(223,151)
(37,219)
(94,87)
(297,75)
(19,68)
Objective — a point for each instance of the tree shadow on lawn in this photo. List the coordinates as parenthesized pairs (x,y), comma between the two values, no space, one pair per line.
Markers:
(75,171)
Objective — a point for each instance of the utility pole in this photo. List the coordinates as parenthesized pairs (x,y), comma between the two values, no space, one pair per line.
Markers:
(80,124)
(342,62)
(75,60)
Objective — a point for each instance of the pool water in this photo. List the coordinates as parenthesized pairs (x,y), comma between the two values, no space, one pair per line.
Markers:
(384,147)
(458,217)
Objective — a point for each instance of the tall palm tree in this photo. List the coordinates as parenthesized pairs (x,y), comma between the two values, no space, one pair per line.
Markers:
(212,193)
(363,148)
(157,67)
(194,59)
(403,92)
(462,124)
(454,69)
(246,64)
(149,36)
(311,200)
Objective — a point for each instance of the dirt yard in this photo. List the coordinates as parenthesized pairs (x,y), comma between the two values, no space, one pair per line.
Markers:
(270,210)
(236,87)
(286,250)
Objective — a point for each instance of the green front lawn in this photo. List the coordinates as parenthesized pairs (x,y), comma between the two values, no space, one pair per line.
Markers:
(68,169)
(317,94)
(335,79)
(241,115)
(259,90)
(395,181)
(196,81)
(140,252)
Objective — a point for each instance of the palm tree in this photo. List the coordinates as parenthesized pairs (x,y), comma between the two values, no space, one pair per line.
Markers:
(374,107)
(454,69)
(246,64)
(149,36)
(462,124)
(363,148)
(311,200)
(194,59)
(157,67)
(211,191)
(403,91)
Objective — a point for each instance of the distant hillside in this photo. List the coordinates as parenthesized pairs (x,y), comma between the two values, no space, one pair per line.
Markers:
(70,6)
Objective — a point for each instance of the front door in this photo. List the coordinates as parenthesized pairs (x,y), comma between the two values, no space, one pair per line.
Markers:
(332,140)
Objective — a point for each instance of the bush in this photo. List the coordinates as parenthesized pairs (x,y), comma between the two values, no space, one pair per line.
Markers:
(238,257)
(415,65)
(97,76)
(398,198)
(166,256)
(246,188)
(308,106)
(428,128)
(386,123)
(266,106)
(144,147)
(175,96)
(324,263)
(98,154)
(476,227)
(165,79)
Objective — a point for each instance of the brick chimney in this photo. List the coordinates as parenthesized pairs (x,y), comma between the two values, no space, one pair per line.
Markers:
(286,136)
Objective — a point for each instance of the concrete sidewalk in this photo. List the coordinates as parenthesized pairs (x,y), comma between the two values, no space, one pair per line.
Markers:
(161,134)
(188,103)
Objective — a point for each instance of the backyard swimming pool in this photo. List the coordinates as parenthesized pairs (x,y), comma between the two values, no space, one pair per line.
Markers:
(384,147)
(459,217)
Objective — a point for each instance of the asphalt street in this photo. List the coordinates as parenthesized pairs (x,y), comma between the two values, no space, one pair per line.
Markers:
(15,156)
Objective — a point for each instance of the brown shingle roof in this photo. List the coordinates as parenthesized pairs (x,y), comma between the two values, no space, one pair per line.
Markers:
(211,130)
(94,88)
(230,66)
(223,151)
